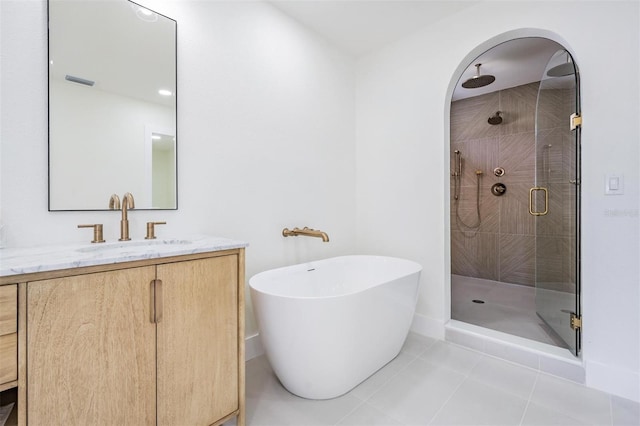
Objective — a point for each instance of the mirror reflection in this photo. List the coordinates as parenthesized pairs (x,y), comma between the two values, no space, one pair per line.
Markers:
(112,105)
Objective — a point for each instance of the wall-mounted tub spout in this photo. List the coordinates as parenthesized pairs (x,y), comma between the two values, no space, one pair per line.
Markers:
(286,232)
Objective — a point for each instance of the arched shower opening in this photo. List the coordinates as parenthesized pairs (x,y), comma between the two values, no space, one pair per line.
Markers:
(515,192)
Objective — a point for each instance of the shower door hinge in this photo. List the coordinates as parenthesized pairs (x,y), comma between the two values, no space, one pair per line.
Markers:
(576,121)
(576,322)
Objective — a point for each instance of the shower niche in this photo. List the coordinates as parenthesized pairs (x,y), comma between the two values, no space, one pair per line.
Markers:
(514,185)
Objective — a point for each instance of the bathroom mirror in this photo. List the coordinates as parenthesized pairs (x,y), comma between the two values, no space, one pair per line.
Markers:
(112,105)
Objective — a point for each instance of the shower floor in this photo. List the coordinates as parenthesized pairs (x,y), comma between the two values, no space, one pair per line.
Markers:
(508,308)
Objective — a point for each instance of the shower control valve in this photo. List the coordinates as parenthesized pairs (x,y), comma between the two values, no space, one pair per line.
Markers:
(498,171)
(498,189)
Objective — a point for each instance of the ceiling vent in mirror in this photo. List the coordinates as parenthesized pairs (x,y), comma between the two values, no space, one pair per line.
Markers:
(79,80)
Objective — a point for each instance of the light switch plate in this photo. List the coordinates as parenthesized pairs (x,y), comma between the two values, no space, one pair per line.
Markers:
(614,184)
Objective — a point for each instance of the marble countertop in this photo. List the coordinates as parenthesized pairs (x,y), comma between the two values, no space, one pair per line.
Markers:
(17,261)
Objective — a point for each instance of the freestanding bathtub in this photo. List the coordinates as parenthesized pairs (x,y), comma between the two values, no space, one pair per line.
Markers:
(327,325)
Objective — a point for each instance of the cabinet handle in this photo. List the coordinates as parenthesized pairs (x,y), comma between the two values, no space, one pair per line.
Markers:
(157,301)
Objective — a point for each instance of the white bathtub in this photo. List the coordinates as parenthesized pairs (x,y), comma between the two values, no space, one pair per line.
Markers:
(328,325)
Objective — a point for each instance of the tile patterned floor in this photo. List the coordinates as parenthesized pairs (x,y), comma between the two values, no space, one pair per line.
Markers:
(439,383)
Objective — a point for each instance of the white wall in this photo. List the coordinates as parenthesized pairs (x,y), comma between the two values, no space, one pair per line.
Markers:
(265,134)
(403,99)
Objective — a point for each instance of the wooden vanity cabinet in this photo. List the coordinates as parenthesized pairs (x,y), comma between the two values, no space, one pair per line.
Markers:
(9,349)
(8,336)
(160,344)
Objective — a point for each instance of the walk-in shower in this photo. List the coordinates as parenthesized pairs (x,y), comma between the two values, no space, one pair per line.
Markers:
(515,173)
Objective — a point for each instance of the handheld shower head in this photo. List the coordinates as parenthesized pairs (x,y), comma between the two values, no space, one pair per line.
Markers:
(495,119)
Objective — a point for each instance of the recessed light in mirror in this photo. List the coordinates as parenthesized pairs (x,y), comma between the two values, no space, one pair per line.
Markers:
(144,13)
(165,92)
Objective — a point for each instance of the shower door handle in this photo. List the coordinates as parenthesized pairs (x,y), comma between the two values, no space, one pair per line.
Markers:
(546,201)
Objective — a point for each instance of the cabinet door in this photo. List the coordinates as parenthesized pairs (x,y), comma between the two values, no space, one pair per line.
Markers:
(198,341)
(91,357)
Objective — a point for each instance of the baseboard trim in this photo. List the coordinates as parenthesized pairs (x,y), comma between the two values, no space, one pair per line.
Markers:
(617,381)
(429,327)
(253,347)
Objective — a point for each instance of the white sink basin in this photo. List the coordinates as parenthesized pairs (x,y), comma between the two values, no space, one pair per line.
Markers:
(127,246)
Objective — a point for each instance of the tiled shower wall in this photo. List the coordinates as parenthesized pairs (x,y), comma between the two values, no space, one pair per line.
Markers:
(502,248)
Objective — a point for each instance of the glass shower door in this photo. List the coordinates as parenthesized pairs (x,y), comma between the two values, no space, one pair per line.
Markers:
(554,200)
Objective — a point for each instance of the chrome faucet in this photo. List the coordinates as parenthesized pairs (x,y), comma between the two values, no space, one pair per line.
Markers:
(127,203)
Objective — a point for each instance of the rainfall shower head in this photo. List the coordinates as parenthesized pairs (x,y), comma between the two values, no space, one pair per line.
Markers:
(495,119)
(478,80)
(562,70)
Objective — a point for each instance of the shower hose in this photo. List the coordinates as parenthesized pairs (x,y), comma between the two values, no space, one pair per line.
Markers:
(475,227)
